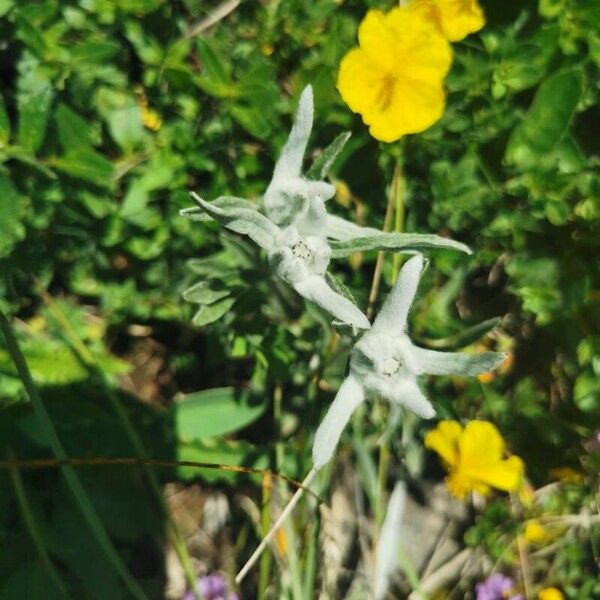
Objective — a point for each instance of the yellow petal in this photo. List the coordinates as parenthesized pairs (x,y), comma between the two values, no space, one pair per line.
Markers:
(480,456)
(550,594)
(359,81)
(481,442)
(413,107)
(459,18)
(444,440)
(422,52)
(376,39)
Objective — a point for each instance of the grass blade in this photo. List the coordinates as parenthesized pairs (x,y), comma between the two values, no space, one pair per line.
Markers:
(82,499)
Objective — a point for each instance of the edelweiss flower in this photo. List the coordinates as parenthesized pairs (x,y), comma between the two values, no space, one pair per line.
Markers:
(394,79)
(385,362)
(295,228)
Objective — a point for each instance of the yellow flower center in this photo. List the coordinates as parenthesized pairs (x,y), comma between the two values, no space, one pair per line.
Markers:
(386,92)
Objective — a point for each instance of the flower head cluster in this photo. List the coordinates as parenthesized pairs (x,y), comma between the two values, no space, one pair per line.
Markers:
(395,78)
(386,363)
(474,457)
(496,587)
(293,227)
(212,587)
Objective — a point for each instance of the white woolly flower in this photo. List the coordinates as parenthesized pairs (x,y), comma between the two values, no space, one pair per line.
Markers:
(298,235)
(386,363)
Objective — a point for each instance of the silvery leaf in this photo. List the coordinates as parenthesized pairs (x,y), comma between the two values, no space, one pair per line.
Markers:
(320,168)
(339,287)
(402,242)
(195,213)
(242,220)
(388,546)
(340,229)
(315,288)
(349,396)
(456,363)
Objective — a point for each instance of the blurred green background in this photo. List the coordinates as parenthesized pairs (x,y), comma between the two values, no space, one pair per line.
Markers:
(111,111)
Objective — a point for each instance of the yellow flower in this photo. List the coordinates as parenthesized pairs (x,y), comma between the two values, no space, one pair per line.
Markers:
(458,18)
(535,532)
(150,118)
(550,593)
(395,78)
(473,457)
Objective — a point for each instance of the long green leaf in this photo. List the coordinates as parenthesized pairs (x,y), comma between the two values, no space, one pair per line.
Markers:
(82,499)
(320,168)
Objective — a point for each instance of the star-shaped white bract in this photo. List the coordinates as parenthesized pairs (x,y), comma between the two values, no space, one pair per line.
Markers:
(386,363)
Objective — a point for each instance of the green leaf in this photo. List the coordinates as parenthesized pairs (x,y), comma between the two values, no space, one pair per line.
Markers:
(88,165)
(209,313)
(242,220)
(402,242)
(547,120)
(94,52)
(216,412)
(34,109)
(463,338)
(5,6)
(4,123)
(73,130)
(125,125)
(320,168)
(12,210)
(201,293)
(213,66)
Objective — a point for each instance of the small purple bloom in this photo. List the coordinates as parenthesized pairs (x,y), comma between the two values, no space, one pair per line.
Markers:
(212,587)
(495,587)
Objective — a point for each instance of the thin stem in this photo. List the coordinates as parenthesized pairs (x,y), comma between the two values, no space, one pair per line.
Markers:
(399,193)
(265,559)
(85,506)
(387,222)
(271,534)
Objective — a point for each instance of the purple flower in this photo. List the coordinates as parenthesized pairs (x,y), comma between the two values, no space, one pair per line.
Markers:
(212,587)
(495,587)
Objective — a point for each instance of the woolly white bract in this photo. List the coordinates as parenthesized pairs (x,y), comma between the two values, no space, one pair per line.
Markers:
(386,363)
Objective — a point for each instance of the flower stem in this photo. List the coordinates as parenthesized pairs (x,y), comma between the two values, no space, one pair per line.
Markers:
(271,534)
(398,192)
